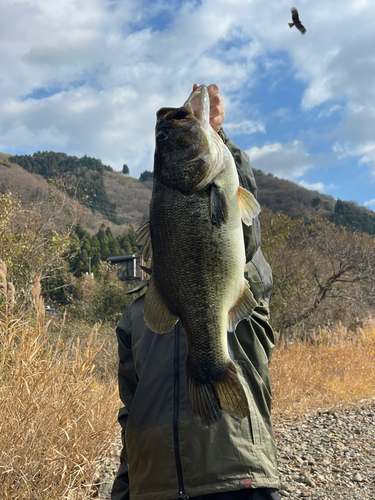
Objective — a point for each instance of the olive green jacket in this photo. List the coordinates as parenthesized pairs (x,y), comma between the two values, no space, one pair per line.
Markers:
(166,455)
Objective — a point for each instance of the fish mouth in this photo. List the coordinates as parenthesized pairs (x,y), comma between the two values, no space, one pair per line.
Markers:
(195,109)
(198,104)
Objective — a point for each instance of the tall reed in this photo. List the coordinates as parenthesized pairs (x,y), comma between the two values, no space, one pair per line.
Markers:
(57,416)
(332,367)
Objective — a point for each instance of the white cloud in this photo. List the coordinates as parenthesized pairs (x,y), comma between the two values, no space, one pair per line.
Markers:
(328,112)
(244,127)
(288,161)
(111,70)
(365,152)
(370,203)
(318,186)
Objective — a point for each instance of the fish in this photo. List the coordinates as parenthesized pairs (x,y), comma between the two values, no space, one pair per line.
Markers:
(194,239)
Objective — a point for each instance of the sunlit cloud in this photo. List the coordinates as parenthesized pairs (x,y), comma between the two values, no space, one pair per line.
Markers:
(318,186)
(288,161)
(245,127)
(88,76)
(370,203)
(315,186)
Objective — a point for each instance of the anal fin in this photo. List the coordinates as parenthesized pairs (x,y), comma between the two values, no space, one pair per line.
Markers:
(243,309)
(249,205)
(156,313)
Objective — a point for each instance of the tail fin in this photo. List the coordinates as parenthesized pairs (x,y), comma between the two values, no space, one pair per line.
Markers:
(291,25)
(205,402)
(209,397)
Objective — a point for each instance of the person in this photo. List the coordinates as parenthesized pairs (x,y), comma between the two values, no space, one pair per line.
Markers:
(165,454)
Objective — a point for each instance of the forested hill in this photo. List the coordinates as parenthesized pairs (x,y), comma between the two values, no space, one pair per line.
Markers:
(299,202)
(82,178)
(125,200)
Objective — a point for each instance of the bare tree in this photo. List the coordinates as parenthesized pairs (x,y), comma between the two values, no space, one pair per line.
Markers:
(34,239)
(322,273)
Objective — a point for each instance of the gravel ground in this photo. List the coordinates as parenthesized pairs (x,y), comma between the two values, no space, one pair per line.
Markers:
(329,454)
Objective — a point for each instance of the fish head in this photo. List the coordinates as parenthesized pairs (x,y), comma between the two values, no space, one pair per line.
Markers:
(188,152)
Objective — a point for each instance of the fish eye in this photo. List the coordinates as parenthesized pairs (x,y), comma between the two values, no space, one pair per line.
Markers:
(162,135)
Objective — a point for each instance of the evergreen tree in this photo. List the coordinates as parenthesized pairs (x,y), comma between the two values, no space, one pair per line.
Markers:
(83,178)
(146,176)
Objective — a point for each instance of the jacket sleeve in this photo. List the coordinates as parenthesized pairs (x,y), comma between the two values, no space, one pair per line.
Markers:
(127,381)
(257,270)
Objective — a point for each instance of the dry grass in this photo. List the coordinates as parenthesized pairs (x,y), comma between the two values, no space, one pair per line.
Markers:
(57,417)
(58,409)
(333,368)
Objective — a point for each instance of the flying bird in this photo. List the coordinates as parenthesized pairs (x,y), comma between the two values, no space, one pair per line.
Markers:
(296,22)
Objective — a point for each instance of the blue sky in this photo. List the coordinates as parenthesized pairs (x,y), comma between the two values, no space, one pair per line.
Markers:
(87,77)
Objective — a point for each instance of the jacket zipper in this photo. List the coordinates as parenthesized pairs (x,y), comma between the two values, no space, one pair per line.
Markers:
(181,491)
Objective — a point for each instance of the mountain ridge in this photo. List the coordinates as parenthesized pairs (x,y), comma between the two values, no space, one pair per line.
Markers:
(122,201)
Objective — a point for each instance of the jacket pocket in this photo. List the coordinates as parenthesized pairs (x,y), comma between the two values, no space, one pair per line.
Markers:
(254,435)
(259,274)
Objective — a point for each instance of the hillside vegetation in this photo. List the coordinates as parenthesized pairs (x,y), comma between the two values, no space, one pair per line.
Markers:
(82,178)
(124,201)
(33,189)
(280,195)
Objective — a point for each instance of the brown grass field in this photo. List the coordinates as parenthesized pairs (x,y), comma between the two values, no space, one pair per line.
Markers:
(59,402)
(333,368)
(57,413)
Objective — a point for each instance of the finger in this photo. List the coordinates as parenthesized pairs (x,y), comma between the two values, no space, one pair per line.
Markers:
(217,123)
(215,100)
(212,89)
(217,111)
(195,86)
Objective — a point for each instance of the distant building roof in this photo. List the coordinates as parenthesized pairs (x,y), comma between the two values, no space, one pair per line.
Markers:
(121,258)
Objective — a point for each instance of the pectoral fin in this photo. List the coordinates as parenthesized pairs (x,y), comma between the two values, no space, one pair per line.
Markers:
(249,206)
(147,270)
(243,308)
(218,205)
(156,313)
(144,239)
(138,288)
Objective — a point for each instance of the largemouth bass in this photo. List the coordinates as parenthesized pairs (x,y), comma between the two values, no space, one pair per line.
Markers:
(198,256)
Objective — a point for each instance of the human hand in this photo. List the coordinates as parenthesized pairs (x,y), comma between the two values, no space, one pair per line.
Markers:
(217,108)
